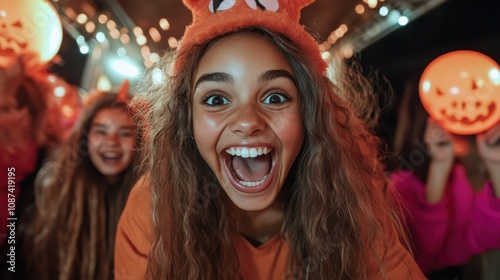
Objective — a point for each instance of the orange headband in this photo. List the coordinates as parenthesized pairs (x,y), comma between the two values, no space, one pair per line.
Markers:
(213,18)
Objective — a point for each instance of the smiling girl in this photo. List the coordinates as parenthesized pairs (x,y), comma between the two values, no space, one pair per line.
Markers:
(81,192)
(256,168)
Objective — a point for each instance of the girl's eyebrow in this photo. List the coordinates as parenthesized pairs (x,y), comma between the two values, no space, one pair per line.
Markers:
(226,78)
(275,74)
(214,77)
(102,125)
(127,127)
(99,125)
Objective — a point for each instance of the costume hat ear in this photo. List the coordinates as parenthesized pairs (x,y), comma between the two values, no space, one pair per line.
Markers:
(214,18)
(123,91)
(302,3)
(297,4)
(193,4)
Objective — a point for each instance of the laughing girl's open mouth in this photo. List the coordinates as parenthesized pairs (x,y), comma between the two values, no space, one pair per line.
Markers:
(249,167)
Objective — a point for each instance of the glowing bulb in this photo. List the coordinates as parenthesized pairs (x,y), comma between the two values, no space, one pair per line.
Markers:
(125,68)
(164,24)
(100,37)
(403,20)
(383,11)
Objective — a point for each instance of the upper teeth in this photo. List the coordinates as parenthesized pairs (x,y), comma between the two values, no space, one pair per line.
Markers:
(245,152)
(111,155)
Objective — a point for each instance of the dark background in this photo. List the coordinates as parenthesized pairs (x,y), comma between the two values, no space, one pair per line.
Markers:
(71,64)
(403,54)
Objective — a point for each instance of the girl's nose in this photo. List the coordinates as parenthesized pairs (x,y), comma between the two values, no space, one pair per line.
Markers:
(112,139)
(247,120)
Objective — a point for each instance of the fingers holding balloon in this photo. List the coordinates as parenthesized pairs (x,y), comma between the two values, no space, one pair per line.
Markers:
(488,144)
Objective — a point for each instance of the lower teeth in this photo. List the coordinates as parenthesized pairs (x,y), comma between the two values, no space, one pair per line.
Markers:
(253,184)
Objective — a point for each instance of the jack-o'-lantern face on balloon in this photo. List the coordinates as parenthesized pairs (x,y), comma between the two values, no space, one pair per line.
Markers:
(461,90)
(30,26)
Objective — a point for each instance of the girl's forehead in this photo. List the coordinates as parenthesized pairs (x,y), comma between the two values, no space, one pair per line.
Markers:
(112,115)
(242,49)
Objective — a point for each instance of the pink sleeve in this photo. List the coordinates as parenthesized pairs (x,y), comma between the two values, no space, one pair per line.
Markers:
(486,218)
(426,222)
(480,233)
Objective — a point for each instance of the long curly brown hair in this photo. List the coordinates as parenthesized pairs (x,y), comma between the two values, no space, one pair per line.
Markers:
(77,211)
(336,210)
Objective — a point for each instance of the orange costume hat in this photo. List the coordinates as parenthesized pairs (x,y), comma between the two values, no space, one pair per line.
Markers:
(213,18)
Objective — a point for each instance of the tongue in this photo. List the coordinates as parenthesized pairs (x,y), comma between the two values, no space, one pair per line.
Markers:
(251,169)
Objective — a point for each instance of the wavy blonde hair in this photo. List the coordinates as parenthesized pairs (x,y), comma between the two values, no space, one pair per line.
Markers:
(336,205)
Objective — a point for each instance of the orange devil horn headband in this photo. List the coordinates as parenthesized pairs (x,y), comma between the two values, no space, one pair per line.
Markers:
(123,91)
(214,18)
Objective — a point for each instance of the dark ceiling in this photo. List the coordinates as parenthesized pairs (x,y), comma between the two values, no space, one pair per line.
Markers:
(454,25)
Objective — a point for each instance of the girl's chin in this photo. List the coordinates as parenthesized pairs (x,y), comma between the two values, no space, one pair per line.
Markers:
(252,205)
(253,200)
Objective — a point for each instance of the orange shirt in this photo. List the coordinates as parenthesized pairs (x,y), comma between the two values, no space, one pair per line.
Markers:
(268,261)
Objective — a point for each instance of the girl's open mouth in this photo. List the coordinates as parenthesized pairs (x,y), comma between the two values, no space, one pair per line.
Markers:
(111,158)
(249,168)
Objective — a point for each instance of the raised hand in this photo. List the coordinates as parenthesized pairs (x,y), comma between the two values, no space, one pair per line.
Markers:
(488,146)
(440,144)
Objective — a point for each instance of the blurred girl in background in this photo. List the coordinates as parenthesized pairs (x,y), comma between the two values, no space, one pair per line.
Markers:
(81,192)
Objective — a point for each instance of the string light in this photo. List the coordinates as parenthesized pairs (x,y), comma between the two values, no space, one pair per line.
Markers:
(403,20)
(81,18)
(121,51)
(100,37)
(137,31)
(115,34)
(124,38)
(155,34)
(164,24)
(371,3)
(102,18)
(145,51)
(111,24)
(90,26)
(141,40)
(360,9)
(383,11)
(172,42)
(154,57)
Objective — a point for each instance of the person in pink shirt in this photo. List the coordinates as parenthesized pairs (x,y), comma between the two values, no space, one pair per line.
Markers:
(449,186)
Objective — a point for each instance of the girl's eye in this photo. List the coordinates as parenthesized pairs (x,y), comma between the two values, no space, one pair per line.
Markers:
(276,98)
(126,134)
(215,100)
(99,132)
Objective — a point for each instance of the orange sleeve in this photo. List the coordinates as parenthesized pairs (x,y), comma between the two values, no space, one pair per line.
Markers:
(399,264)
(134,235)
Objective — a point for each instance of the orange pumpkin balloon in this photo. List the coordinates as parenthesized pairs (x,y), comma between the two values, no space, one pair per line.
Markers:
(30,26)
(461,90)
